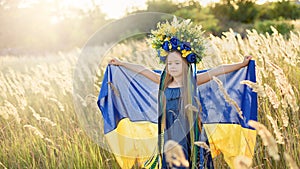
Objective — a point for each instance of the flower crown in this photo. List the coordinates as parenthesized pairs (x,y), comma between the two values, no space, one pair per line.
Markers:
(178,36)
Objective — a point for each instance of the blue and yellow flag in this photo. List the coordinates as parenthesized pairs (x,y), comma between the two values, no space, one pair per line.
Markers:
(226,131)
(128,102)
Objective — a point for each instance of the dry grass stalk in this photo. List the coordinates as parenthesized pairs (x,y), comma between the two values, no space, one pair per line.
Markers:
(191,107)
(3,165)
(291,162)
(59,104)
(214,60)
(35,114)
(272,96)
(242,162)
(49,141)
(91,98)
(114,89)
(284,118)
(267,138)
(278,134)
(255,87)
(227,97)
(199,117)
(198,103)
(259,75)
(3,112)
(34,130)
(285,88)
(42,119)
(82,101)
(12,110)
(202,144)
(174,154)
(92,101)
(254,40)
(48,121)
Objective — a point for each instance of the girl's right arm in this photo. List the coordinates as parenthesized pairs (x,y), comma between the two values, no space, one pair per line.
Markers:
(138,69)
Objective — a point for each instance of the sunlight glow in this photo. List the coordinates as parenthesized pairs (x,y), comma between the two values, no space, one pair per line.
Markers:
(84,5)
(118,8)
(264,1)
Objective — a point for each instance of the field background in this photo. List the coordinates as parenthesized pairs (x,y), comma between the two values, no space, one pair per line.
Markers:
(39,127)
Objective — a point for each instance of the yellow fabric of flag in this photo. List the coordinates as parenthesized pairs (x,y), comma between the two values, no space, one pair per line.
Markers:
(132,142)
(230,139)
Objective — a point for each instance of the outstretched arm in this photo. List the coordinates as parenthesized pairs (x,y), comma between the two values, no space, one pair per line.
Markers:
(222,69)
(138,69)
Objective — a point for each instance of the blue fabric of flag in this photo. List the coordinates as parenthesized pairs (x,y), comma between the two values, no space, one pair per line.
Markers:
(125,94)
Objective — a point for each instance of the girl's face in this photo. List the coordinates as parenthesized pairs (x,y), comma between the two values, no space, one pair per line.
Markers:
(174,62)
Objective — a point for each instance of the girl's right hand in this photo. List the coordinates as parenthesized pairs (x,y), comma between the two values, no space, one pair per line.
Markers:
(115,62)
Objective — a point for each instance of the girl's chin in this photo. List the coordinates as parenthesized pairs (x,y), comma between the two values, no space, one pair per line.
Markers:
(174,73)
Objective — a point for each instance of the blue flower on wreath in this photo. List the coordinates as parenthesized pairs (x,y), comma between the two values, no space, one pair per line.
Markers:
(185,46)
(174,42)
(191,58)
(165,45)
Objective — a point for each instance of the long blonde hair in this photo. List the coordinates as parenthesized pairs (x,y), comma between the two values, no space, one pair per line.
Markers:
(187,93)
(187,90)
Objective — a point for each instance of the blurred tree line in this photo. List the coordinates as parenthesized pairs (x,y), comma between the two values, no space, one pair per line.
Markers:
(46,26)
(237,14)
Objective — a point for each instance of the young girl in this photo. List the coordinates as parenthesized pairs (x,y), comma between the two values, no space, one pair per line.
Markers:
(180,47)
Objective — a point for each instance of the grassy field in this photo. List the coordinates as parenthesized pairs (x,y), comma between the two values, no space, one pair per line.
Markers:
(39,127)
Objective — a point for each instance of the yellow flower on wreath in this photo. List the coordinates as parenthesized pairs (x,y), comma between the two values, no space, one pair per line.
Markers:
(185,53)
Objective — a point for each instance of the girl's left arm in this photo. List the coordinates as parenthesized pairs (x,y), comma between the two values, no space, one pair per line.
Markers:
(223,69)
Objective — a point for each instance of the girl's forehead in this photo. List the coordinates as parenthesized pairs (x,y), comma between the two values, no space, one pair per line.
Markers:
(174,56)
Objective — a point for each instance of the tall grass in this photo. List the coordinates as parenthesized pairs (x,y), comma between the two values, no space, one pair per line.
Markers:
(40,129)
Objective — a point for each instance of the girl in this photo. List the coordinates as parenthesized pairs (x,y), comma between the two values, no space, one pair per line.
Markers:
(180,47)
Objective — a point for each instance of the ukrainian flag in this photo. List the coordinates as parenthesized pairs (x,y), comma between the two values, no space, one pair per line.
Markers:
(128,102)
(226,131)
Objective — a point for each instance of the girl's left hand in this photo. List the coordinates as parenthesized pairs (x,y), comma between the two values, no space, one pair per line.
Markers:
(246,60)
